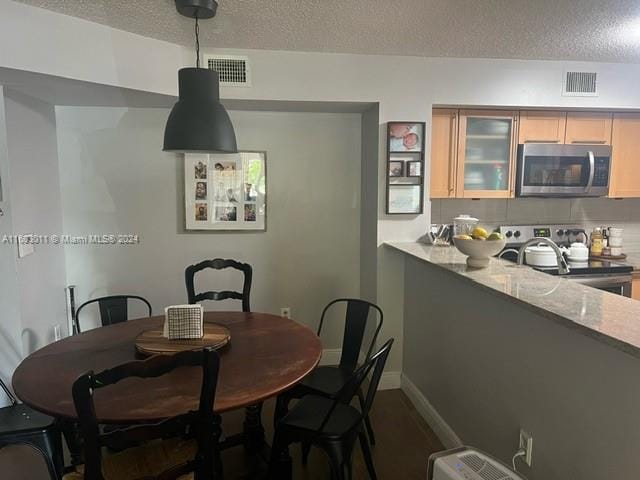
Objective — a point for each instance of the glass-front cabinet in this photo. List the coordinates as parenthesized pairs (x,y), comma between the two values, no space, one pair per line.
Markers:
(486,153)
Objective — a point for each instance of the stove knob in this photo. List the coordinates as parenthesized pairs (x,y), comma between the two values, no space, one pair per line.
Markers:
(560,232)
(509,234)
(516,233)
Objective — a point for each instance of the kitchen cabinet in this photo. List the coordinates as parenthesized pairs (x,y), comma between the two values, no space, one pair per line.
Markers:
(444,149)
(486,153)
(588,128)
(542,127)
(635,286)
(625,162)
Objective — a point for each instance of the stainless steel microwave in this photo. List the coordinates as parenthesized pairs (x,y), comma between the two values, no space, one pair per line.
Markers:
(552,170)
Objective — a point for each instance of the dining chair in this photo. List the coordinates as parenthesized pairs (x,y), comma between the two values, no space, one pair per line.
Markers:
(24,462)
(331,424)
(254,431)
(113,309)
(219,264)
(328,380)
(20,424)
(174,447)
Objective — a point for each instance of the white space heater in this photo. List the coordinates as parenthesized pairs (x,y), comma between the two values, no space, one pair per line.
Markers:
(466,463)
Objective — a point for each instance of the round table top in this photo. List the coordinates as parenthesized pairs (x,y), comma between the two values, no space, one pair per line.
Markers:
(267,355)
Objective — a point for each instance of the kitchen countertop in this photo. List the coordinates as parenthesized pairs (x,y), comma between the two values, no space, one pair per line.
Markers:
(606,317)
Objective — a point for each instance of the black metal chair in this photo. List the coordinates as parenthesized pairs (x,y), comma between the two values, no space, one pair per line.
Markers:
(331,424)
(189,442)
(219,264)
(113,309)
(20,424)
(327,381)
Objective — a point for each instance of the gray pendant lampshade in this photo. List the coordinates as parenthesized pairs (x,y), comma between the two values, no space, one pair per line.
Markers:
(198,122)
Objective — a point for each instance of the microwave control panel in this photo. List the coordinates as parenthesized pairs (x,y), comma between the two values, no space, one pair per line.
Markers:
(601,172)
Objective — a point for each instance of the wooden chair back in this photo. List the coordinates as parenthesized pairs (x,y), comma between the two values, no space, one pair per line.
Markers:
(199,424)
(220,264)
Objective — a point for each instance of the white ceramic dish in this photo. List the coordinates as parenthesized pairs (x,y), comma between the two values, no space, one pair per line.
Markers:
(540,256)
(479,251)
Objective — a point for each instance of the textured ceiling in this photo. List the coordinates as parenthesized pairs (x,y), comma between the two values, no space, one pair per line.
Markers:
(595,30)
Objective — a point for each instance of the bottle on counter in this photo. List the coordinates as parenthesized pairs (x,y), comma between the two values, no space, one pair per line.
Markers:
(596,241)
(605,237)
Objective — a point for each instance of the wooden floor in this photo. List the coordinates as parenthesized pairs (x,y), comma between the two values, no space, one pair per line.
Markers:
(404,443)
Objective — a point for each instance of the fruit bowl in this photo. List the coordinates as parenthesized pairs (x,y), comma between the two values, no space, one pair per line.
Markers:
(479,251)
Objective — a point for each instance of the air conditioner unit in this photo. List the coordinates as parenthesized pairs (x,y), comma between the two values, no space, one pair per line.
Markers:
(466,463)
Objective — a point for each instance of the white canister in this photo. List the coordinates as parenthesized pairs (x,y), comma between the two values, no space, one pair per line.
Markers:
(615,241)
(464,225)
(616,251)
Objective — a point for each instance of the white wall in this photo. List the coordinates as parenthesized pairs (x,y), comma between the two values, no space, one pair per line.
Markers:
(10,327)
(35,196)
(116,179)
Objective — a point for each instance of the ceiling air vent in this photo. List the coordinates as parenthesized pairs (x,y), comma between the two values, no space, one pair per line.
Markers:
(580,84)
(234,70)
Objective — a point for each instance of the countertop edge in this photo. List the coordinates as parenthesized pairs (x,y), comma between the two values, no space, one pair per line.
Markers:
(557,318)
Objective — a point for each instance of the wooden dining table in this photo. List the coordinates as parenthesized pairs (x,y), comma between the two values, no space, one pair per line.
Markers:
(266,355)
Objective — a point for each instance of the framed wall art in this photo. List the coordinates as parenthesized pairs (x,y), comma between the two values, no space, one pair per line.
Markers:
(225,191)
(405,167)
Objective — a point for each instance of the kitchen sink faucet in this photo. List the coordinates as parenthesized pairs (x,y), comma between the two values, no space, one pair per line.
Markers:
(563,268)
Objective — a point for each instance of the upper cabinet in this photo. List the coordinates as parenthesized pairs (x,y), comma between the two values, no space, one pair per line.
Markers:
(625,161)
(542,127)
(588,128)
(486,153)
(444,149)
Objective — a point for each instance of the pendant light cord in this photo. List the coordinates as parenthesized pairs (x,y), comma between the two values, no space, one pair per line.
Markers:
(197,43)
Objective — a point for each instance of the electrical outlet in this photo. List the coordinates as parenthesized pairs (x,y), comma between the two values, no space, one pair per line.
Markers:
(526,443)
(285,312)
(57,334)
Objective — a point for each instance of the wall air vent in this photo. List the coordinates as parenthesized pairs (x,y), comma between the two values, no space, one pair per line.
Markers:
(234,70)
(580,84)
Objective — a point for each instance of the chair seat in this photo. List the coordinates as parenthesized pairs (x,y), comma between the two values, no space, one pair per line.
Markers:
(20,418)
(145,461)
(311,410)
(325,380)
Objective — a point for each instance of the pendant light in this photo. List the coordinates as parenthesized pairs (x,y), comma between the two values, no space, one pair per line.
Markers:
(198,123)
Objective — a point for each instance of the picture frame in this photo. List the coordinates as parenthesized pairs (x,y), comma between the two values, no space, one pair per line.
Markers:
(405,137)
(405,167)
(405,199)
(396,168)
(226,192)
(414,168)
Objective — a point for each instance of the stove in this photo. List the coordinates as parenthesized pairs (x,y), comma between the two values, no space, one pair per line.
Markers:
(605,275)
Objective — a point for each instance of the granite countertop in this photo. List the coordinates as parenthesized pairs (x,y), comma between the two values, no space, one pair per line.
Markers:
(604,316)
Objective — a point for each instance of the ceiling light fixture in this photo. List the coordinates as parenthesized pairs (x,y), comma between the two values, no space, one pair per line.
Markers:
(198,123)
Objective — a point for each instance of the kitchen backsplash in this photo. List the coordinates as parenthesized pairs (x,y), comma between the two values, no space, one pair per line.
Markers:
(589,212)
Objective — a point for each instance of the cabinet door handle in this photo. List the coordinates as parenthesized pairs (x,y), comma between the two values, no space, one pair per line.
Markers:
(452,149)
(542,141)
(588,141)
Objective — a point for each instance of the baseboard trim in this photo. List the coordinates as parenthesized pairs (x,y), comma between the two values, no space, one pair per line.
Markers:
(443,431)
(390,381)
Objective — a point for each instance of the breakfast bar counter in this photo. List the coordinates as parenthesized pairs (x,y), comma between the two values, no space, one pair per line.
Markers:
(606,317)
(487,352)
